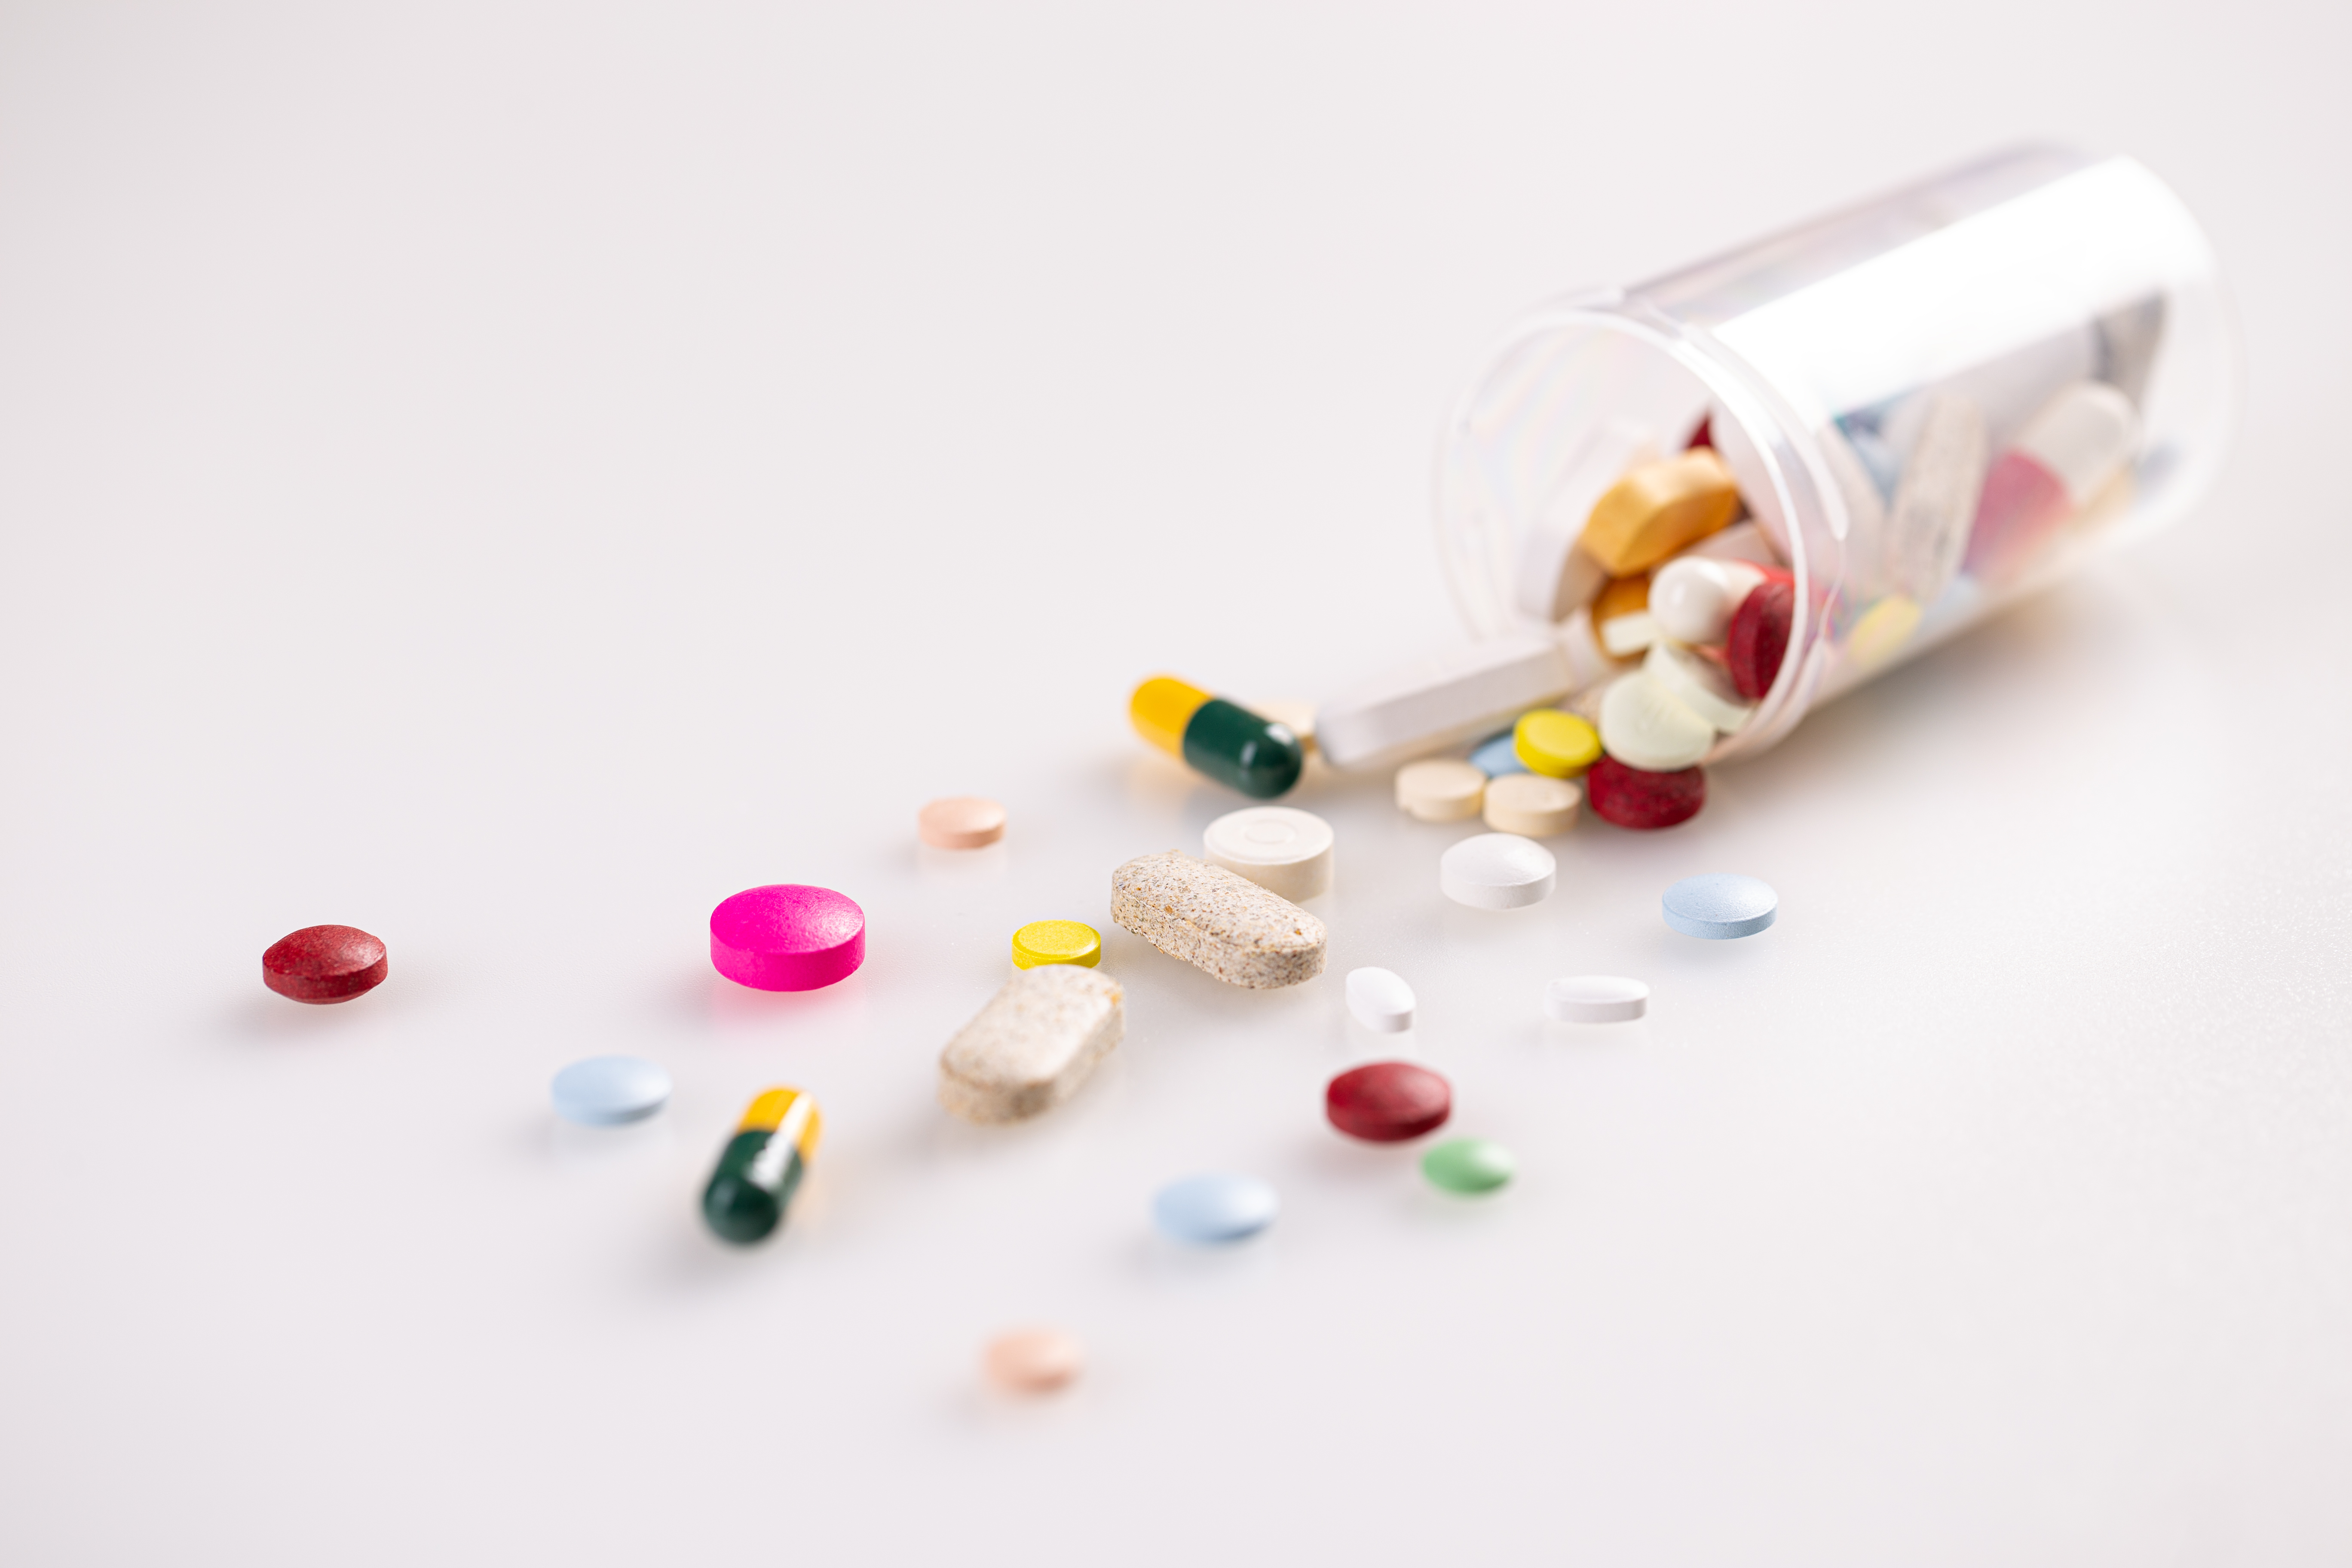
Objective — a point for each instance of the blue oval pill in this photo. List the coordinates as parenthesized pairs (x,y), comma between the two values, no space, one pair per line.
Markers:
(1720,906)
(1498,756)
(1214,1208)
(605,1091)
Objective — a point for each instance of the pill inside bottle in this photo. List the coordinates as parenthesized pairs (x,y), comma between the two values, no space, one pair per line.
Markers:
(1889,423)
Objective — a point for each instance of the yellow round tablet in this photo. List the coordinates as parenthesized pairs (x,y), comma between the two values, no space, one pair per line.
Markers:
(1556,745)
(1056,942)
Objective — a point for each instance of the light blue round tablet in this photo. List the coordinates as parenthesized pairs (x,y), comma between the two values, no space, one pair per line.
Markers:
(1720,906)
(605,1091)
(1498,756)
(1208,1209)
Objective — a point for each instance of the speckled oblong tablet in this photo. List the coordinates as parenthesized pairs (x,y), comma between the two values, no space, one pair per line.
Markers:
(1034,1044)
(1720,906)
(1217,922)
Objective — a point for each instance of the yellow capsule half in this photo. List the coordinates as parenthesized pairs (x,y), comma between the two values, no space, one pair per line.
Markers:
(773,1107)
(1161,708)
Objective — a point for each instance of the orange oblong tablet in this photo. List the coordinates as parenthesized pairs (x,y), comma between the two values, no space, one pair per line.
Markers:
(961,822)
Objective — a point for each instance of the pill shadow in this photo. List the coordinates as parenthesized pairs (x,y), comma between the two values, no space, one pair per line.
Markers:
(704,997)
(268,1019)
(1164,1263)
(936,866)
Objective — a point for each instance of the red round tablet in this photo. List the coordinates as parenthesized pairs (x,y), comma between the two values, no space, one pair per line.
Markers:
(1630,797)
(1388,1102)
(324,963)
(1759,640)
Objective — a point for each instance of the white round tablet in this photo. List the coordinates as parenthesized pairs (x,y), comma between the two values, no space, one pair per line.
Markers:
(1380,1000)
(1532,805)
(1644,726)
(1699,684)
(1441,789)
(1595,999)
(1281,849)
(1497,871)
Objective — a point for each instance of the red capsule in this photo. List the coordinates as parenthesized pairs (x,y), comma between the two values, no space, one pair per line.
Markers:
(1630,797)
(325,964)
(1760,637)
(1388,1102)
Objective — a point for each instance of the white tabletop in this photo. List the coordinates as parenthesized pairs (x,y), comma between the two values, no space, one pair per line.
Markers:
(508,478)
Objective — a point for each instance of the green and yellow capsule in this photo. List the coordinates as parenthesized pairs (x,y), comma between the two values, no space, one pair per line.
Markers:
(762,1166)
(1223,740)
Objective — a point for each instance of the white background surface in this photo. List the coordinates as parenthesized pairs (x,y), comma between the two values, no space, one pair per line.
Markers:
(508,478)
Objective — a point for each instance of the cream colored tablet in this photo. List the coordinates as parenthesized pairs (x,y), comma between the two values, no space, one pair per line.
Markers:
(1439,703)
(1034,1044)
(1217,922)
(1281,849)
(1440,790)
(1532,805)
(1699,684)
(1644,726)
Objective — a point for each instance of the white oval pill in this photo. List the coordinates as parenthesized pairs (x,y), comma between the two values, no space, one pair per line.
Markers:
(1692,598)
(1645,726)
(1532,805)
(1441,790)
(1380,1000)
(1497,871)
(1595,999)
(1699,684)
(1281,849)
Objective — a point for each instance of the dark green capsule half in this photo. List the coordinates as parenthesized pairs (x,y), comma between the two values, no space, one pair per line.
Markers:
(737,1204)
(1234,746)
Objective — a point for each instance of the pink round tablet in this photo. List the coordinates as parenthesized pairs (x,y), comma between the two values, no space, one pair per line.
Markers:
(787,937)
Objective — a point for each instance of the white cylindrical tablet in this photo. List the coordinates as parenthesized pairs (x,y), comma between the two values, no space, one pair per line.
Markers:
(1281,849)
(1595,999)
(1699,684)
(1531,804)
(1692,598)
(1380,1000)
(1444,789)
(1497,871)
(1644,726)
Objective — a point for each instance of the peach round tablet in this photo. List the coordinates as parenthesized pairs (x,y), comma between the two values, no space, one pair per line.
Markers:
(1033,1360)
(787,937)
(961,822)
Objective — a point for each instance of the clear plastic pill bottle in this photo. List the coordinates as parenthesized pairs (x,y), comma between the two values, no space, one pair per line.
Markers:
(1934,404)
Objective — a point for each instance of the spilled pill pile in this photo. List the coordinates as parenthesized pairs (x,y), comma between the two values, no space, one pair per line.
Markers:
(1662,569)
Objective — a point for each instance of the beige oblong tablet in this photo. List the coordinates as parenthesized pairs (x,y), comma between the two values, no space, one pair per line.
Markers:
(1532,805)
(1034,1044)
(1444,789)
(1217,922)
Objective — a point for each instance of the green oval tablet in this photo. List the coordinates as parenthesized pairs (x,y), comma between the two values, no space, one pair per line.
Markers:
(1468,1166)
